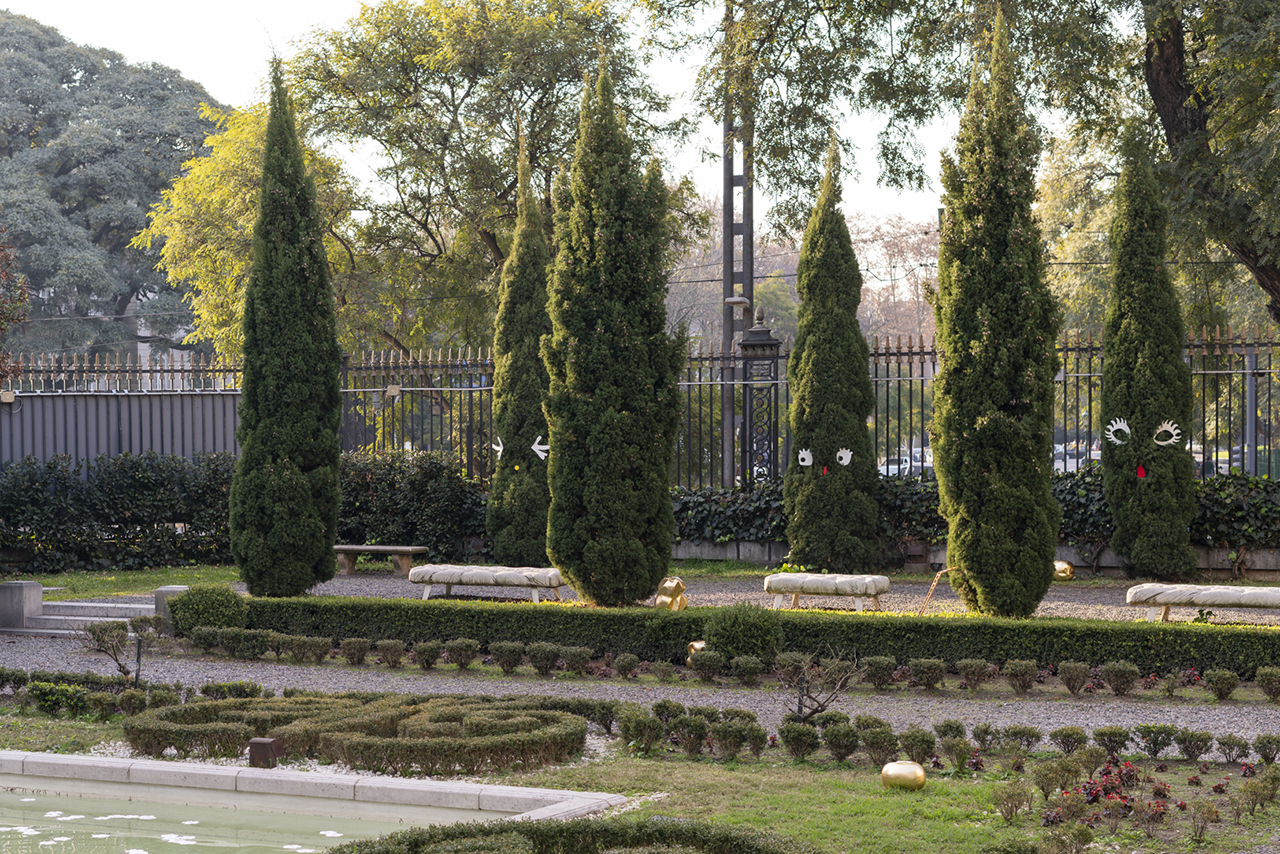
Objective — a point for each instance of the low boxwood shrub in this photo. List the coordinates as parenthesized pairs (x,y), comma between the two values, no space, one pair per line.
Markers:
(1021,737)
(1069,739)
(1154,738)
(880,744)
(928,672)
(390,651)
(950,728)
(462,651)
(639,730)
(1221,683)
(975,671)
(1120,676)
(1020,674)
(878,670)
(986,736)
(799,740)
(544,657)
(1268,681)
(508,655)
(1234,748)
(213,605)
(668,710)
(707,664)
(744,629)
(918,743)
(355,650)
(691,732)
(52,698)
(958,750)
(626,665)
(576,658)
(1193,743)
(1113,739)
(1267,746)
(841,741)
(427,653)
(1074,676)
(728,738)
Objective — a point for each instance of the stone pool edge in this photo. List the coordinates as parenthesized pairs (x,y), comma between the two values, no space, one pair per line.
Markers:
(528,804)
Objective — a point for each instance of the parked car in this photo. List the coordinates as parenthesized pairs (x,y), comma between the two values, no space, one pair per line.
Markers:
(899,467)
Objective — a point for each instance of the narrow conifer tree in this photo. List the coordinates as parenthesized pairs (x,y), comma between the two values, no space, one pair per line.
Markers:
(1147,401)
(997,326)
(516,515)
(829,485)
(613,402)
(284,492)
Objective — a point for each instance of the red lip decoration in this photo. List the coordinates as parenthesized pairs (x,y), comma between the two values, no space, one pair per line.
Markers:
(1141,471)
(824,469)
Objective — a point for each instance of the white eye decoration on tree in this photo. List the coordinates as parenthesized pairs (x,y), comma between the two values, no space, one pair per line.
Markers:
(844,456)
(1114,428)
(806,457)
(1175,435)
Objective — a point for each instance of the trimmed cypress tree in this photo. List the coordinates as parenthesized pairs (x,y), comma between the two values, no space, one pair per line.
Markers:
(613,402)
(997,325)
(829,486)
(284,492)
(516,515)
(1148,475)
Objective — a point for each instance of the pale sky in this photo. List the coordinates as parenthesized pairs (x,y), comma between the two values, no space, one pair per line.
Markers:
(226,48)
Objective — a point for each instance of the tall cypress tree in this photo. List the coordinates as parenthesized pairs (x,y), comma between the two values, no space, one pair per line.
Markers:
(829,486)
(613,402)
(284,492)
(516,515)
(1146,386)
(997,325)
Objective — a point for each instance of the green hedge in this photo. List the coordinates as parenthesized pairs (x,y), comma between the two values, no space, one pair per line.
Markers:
(657,635)
(580,836)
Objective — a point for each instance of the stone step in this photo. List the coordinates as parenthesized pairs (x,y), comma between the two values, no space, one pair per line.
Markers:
(38,633)
(104,610)
(67,623)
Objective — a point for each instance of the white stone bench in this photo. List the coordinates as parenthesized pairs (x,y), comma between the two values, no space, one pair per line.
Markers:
(535,578)
(1161,597)
(860,587)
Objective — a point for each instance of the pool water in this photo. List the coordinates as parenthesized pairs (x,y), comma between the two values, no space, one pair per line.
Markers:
(32,822)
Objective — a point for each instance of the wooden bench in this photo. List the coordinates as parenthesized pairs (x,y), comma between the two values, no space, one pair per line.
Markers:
(860,587)
(401,556)
(532,577)
(1161,597)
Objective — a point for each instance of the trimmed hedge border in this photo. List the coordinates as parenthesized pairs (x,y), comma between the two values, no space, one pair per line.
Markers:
(656,635)
(580,836)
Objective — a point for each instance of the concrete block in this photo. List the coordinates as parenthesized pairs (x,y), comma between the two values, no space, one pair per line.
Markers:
(419,793)
(518,799)
(184,775)
(163,595)
(11,761)
(18,601)
(753,552)
(77,767)
(275,782)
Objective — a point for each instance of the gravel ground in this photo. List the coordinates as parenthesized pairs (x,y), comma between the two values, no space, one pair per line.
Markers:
(900,708)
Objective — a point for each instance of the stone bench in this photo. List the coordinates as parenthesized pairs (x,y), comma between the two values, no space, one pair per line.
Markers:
(532,577)
(860,587)
(401,556)
(1162,597)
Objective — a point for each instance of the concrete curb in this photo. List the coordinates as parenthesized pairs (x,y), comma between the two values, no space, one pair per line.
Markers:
(46,770)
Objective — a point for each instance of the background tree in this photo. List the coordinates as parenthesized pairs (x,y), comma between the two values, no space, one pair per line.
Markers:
(613,402)
(516,513)
(828,490)
(13,304)
(997,326)
(284,492)
(438,89)
(87,143)
(202,235)
(1147,471)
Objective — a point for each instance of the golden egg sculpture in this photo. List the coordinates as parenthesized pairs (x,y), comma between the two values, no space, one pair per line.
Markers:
(694,646)
(671,595)
(1063,571)
(903,775)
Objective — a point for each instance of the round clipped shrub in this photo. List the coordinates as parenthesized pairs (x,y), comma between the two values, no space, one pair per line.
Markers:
(707,664)
(1074,675)
(214,605)
(800,740)
(205,638)
(746,669)
(1069,739)
(928,672)
(663,671)
(728,738)
(462,651)
(1222,683)
(949,729)
(1113,739)
(757,739)
(626,664)
(1193,743)
(1234,748)
(958,751)
(1268,681)
(1020,674)
(878,670)
(841,740)
(1267,746)
(544,656)
(1154,738)
(986,736)
(691,732)
(744,629)
(918,743)
(1120,676)
(427,653)
(822,720)
(880,744)
(507,655)
(576,658)
(1021,737)
(318,649)
(355,650)
(974,671)
(639,730)
(391,652)
(866,722)
(668,710)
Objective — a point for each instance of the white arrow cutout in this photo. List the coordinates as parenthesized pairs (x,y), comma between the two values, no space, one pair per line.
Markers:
(498,446)
(539,449)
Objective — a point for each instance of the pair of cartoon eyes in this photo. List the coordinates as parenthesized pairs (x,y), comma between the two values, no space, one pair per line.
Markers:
(1168,429)
(844,456)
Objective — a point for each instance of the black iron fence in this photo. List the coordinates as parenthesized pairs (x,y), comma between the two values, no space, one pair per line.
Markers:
(732,428)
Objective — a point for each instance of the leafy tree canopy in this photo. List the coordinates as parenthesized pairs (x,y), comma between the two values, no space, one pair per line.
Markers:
(87,143)
(440,89)
(1203,75)
(202,230)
